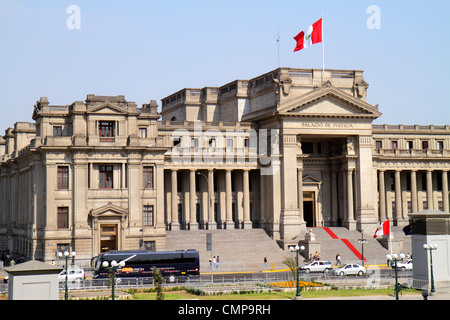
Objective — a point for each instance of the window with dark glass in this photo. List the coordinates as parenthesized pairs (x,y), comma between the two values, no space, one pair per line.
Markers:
(105,177)
(57,131)
(106,128)
(63,177)
(148,216)
(148,177)
(63,217)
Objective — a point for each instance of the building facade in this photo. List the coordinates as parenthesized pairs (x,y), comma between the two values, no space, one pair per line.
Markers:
(287,150)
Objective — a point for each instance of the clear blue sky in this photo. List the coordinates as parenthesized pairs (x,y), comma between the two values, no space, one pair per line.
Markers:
(149,49)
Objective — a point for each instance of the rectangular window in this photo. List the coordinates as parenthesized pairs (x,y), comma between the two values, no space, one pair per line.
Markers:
(148,216)
(440,145)
(143,132)
(378,145)
(394,144)
(148,177)
(63,177)
(307,147)
(105,177)
(409,144)
(63,217)
(57,131)
(424,145)
(106,128)
(194,142)
(229,143)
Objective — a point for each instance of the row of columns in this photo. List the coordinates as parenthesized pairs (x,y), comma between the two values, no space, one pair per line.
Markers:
(208,219)
(400,215)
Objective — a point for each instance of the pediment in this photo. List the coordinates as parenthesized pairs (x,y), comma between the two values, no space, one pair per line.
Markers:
(106,108)
(109,210)
(328,101)
(308,179)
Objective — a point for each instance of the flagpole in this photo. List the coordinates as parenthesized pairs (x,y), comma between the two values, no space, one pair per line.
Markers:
(278,45)
(323,54)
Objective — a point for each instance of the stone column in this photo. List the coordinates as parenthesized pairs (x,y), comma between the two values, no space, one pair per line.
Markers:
(445,190)
(414,203)
(398,197)
(300,192)
(174,223)
(246,190)
(430,189)
(193,224)
(350,203)
(212,225)
(229,196)
(334,199)
(382,194)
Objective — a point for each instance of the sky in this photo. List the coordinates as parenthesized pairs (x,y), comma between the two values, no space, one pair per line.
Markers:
(149,49)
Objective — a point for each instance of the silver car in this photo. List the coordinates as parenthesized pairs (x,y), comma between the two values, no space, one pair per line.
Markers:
(317,266)
(350,269)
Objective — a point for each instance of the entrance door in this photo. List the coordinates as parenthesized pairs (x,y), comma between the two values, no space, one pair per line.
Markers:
(309,213)
(108,238)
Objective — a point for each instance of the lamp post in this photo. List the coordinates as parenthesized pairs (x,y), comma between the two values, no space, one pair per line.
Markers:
(143,220)
(431,247)
(297,250)
(113,269)
(362,241)
(395,257)
(66,255)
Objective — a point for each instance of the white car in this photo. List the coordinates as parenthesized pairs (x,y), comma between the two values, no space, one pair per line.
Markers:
(317,266)
(75,274)
(404,265)
(350,269)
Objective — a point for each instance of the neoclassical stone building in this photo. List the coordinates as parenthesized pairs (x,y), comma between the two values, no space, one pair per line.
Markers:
(287,150)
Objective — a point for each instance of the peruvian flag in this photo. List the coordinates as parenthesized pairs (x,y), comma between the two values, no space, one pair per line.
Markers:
(382,229)
(310,36)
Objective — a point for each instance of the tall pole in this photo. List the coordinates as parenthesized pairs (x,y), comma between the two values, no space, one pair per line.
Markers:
(323,54)
(66,293)
(278,47)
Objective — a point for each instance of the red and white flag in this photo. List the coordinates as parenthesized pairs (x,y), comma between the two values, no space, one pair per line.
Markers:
(310,36)
(382,229)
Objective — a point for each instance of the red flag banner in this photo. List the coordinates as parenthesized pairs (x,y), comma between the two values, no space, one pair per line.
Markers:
(310,36)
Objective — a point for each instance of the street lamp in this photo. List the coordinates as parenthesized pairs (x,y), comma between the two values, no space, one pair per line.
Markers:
(297,250)
(362,241)
(431,247)
(66,255)
(113,270)
(395,257)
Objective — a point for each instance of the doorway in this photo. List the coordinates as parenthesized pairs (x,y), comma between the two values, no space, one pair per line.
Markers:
(309,214)
(108,238)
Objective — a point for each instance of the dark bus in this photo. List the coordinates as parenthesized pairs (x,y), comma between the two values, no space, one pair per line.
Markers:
(139,263)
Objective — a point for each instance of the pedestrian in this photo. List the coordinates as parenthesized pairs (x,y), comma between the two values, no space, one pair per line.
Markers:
(217,262)
(265,261)
(338,259)
(214,261)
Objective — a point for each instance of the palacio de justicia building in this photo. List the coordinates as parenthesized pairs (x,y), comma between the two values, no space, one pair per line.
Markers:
(285,151)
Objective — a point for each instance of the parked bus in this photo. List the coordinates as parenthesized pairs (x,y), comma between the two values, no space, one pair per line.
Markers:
(139,263)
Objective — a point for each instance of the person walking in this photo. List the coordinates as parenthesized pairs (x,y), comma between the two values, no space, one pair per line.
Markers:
(265,261)
(338,259)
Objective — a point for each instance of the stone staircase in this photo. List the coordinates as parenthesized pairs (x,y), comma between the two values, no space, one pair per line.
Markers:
(238,249)
(244,250)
